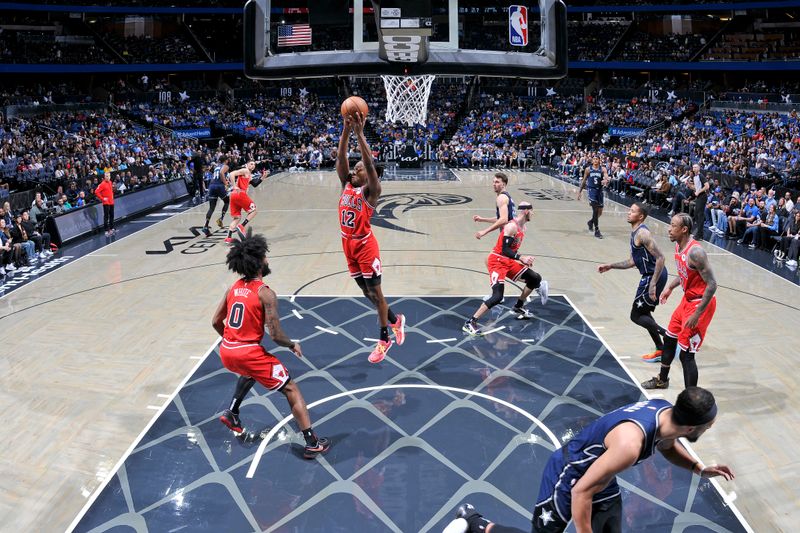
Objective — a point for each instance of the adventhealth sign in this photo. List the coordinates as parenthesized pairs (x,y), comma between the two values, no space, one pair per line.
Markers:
(617,131)
(197,132)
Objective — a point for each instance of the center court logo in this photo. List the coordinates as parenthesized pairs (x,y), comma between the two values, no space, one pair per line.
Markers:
(391,206)
(547,194)
(201,246)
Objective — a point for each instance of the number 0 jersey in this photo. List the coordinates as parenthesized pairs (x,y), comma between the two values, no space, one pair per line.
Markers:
(354,212)
(245,318)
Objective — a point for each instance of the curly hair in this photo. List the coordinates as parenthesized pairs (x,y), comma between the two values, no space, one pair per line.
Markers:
(246,257)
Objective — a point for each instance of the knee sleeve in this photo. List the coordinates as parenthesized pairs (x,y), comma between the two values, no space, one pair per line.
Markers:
(497,295)
(532,279)
(362,283)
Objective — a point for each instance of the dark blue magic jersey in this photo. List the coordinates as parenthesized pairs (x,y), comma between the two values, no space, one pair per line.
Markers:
(512,212)
(595,179)
(645,262)
(217,171)
(568,464)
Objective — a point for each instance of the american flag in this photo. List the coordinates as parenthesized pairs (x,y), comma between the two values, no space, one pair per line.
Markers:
(294,35)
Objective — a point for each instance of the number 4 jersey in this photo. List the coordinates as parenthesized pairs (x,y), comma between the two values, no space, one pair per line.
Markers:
(245,322)
(354,212)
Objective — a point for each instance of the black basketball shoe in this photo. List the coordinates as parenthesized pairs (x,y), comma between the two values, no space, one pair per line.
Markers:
(231,419)
(321,446)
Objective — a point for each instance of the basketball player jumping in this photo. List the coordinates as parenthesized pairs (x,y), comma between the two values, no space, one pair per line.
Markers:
(645,256)
(218,189)
(579,480)
(504,207)
(240,318)
(503,262)
(597,178)
(240,201)
(690,320)
(361,189)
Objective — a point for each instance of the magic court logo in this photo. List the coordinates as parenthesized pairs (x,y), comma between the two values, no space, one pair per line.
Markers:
(391,207)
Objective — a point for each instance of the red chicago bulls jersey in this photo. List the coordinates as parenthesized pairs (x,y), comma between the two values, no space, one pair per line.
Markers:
(498,247)
(245,322)
(354,212)
(243,181)
(692,282)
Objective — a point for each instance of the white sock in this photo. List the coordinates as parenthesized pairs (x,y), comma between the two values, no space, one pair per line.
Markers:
(459,525)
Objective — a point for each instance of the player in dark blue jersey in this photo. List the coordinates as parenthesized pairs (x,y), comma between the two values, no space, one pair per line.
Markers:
(595,177)
(579,481)
(645,256)
(504,208)
(218,189)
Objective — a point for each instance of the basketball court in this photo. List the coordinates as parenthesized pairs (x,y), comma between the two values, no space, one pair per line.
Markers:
(123,432)
(113,385)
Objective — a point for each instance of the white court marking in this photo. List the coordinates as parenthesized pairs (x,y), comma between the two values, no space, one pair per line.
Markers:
(298,315)
(494,330)
(451,339)
(326,330)
(263,446)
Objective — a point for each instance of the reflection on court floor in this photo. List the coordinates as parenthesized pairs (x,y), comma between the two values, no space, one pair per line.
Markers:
(403,458)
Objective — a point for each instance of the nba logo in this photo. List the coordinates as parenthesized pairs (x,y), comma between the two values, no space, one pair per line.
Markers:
(518,25)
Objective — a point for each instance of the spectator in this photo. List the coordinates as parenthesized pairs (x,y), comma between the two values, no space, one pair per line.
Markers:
(790,241)
(41,240)
(20,237)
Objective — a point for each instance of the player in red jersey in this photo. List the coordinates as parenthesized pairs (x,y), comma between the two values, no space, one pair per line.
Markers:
(689,322)
(361,189)
(239,199)
(247,307)
(503,262)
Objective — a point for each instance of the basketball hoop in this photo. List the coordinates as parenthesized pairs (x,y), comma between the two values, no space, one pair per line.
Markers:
(407,98)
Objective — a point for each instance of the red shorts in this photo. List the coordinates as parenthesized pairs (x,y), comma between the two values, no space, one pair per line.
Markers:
(241,202)
(501,267)
(253,361)
(363,256)
(690,339)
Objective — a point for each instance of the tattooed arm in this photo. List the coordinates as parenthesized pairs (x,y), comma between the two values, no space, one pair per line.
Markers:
(645,238)
(273,322)
(621,265)
(698,260)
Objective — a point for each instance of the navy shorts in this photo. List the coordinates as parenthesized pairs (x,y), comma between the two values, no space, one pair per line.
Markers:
(217,190)
(595,197)
(642,300)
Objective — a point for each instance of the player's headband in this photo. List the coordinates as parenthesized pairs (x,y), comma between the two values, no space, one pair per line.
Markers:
(685,418)
(524,206)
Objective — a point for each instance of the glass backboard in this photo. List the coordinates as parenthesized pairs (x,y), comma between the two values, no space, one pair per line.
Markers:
(285,40)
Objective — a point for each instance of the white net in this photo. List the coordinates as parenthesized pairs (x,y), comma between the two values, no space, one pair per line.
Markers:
(407,98)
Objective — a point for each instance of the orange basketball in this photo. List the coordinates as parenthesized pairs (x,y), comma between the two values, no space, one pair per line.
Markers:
(353,105)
